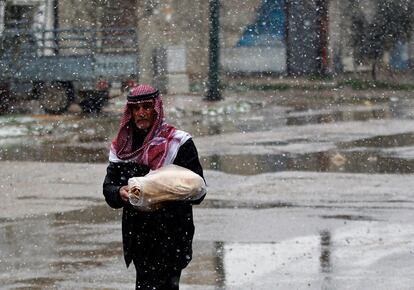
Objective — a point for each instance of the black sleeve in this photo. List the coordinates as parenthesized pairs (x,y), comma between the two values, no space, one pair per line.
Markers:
(187,157)
(112,184)
(117,175)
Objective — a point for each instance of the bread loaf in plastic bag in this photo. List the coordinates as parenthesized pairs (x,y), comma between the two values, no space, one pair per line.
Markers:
(165,184)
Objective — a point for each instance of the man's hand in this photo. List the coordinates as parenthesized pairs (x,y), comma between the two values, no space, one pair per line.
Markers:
(123,192)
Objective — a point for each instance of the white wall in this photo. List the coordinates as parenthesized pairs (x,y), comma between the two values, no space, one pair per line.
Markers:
(254,59)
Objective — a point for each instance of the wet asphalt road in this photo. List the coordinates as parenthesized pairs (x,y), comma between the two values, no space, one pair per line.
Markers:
(287,230)
(324,202)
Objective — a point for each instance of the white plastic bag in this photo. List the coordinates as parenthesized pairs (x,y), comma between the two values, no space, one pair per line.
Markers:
(167,183)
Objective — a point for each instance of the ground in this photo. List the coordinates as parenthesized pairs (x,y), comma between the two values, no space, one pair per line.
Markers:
(303,193)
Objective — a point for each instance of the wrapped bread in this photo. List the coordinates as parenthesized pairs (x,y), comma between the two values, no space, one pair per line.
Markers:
(165,184)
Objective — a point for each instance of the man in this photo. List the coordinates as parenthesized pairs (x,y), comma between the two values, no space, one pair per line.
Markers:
(159,243)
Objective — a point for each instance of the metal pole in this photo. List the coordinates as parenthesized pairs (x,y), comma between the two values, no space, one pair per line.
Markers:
(287,38)
(322,14)
(213,93)
(56,25)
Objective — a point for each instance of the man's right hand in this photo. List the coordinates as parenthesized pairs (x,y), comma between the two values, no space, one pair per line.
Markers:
(123,192)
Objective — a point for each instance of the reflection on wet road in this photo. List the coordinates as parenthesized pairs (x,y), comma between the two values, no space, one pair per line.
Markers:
(86,139)
(329,161)
(81,250)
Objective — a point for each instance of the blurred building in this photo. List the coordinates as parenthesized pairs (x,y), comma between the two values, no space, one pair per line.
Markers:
(256,36)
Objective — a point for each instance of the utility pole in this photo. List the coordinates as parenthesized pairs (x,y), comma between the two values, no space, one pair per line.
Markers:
(213,93)
(56,35)
(287,38)
(322,21)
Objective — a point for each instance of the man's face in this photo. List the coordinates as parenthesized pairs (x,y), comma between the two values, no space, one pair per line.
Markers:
(144,115)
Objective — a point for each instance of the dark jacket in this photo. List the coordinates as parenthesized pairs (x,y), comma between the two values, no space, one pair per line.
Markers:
(161,238)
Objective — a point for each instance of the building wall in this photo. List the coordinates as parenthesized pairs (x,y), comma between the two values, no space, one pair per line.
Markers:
(179,30)
(176,25)
(184,24)
(77,14)
(166,25)
(30,15)
(234,23)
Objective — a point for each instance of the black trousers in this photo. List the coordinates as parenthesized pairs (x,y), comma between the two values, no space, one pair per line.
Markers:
(153,278)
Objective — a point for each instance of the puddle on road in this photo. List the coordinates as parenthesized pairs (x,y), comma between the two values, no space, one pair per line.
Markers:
(84,247)
(319,261)
(349,217)
(269,118)
(44,251)
(86,139)
(315,117)
(236,204)
(352,162)
(366,157)
(74,128)
(398,140)
(56,153)
(367,161)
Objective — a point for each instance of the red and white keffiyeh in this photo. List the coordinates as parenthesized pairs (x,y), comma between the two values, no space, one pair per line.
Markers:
(161,144)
